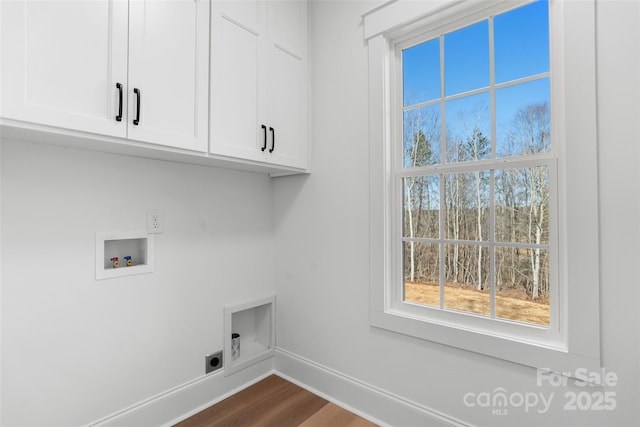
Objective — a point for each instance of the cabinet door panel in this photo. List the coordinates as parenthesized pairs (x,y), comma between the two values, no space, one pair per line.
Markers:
(235,74)
(168,64)
(246,13)
(61,61)
(287,25)
(287,109)
(287,87)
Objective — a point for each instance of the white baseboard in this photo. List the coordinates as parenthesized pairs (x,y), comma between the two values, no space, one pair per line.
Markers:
(187,399)
(379,406)
(370,402)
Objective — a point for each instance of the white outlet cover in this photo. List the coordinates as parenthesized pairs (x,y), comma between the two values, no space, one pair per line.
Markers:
(155,221)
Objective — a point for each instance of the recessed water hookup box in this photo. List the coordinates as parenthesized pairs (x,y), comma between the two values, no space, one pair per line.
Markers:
(123,254)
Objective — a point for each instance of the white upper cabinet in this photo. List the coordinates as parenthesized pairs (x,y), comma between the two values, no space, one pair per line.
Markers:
(135,69)
(213,82)
(259,80)
(61,61)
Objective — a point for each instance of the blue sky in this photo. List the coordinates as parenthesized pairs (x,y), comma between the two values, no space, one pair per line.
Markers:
(520,48)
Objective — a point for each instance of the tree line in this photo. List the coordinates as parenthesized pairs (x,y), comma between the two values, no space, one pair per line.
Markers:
(520,200)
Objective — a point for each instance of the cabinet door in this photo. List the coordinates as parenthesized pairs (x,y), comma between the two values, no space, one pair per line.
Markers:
(237,79)
(287,83)
(61,61)
(168,72)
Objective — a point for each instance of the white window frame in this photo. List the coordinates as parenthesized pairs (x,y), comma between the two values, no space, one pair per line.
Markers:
(574,340)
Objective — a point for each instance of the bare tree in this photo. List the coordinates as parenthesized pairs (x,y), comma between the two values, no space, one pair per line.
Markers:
(468,143)
(529,134)
(421,136)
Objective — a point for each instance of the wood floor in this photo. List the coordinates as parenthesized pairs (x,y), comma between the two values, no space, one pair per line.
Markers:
(275,402)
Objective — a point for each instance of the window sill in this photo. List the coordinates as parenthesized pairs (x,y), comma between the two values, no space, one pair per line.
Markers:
(549,356)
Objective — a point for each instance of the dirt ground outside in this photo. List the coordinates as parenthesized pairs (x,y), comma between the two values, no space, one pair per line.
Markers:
(473,301)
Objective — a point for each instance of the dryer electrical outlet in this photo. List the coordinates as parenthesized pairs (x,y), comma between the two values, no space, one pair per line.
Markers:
(213,362)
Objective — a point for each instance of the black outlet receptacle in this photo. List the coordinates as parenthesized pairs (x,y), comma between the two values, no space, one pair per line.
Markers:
(213,362)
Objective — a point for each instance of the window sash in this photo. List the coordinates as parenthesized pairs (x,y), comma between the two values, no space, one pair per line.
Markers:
(552,333)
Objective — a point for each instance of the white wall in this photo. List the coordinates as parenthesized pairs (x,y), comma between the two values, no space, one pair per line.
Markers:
(322,240)
(75,349)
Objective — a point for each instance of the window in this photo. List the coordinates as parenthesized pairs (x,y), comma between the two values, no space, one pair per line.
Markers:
(483,140)
(474,165)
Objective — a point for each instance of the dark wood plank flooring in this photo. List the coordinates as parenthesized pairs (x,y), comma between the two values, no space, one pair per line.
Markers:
(275,402)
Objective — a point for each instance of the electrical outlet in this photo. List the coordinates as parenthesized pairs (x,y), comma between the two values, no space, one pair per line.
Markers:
(212,362)
(155,221)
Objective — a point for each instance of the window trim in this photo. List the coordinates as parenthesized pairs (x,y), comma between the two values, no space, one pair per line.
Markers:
(574,110)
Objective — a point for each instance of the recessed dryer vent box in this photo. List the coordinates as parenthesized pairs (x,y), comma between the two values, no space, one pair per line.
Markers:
(134,252)
(255,322)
